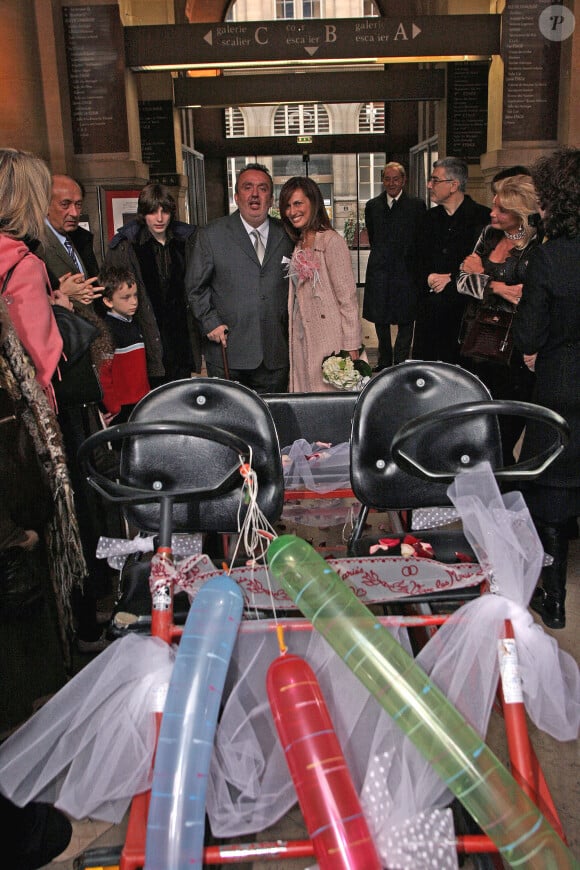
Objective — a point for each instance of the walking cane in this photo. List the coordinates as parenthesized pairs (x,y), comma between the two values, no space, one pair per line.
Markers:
(225,358)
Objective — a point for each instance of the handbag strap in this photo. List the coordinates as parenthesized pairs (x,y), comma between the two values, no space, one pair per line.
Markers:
(7,278)
(509,326)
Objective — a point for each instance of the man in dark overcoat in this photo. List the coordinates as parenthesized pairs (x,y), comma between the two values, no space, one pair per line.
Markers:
(390,290)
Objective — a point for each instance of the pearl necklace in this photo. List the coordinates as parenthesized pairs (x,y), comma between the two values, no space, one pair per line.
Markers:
(517,236)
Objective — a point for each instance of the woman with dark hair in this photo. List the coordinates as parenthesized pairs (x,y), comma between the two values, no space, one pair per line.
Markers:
(155,247)
(323,304)
(547,331)
(493,276)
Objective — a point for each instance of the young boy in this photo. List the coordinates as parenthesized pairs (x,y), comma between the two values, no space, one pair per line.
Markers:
(124,375)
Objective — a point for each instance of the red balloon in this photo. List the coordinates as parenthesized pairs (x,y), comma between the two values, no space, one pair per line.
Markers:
(325,790)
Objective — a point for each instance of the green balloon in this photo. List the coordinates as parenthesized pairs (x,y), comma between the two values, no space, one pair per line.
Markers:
(457,753)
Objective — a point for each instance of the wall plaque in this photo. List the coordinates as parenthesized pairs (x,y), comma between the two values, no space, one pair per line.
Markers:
(531,74)
(157,136)
(96,73)
(467,85)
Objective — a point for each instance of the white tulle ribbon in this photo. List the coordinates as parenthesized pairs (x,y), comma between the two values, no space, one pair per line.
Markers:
(90,748)
(116,550)
(502,534)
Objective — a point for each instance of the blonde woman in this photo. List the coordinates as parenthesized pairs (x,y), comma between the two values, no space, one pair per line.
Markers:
(25,186)
(493,276)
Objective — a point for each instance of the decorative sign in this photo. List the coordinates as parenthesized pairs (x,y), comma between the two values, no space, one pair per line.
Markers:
(95,59)
(183,46)
(118,208)
(467,85)
(531,74)
(157,136)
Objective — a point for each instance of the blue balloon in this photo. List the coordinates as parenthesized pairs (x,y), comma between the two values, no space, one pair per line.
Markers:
(176,822)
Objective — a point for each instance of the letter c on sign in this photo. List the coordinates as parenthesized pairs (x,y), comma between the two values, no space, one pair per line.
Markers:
(258,34)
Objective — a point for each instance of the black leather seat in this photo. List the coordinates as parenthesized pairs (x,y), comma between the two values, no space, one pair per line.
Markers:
(179,472)
(178,461)
(392,398)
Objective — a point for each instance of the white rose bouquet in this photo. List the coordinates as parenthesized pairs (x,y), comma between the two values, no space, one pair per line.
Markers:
(339,370)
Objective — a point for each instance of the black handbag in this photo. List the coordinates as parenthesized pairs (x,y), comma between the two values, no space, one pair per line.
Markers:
(486,336)
(27,499)
(76,333)
(76,381)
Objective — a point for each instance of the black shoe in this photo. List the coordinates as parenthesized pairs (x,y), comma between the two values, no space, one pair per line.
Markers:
(37,834)
(551,610)
(571,527)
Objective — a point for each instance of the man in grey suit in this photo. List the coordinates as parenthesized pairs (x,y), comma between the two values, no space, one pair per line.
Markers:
(67,247)
(238,289)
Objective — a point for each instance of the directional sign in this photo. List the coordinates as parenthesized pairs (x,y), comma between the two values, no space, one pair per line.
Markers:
(400,82)
(190,46)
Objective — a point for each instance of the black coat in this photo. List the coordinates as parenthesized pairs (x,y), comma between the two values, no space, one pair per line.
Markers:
(443,242)
(548,323)
(167,331)
(390,289)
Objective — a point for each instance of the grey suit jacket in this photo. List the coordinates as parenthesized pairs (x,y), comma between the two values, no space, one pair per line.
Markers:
(225,283)
(56,258)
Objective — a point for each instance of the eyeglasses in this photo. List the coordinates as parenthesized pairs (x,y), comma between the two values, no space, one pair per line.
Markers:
(433,180)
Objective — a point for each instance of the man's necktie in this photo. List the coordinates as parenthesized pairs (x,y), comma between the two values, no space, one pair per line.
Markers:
(258,245)
(72,254)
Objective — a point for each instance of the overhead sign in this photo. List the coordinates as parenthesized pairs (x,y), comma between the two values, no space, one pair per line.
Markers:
(398,82)
(189,46)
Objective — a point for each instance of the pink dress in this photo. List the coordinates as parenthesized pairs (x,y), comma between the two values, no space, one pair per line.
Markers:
(323,310)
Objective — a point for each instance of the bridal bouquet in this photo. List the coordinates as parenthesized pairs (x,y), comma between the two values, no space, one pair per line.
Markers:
(343,373)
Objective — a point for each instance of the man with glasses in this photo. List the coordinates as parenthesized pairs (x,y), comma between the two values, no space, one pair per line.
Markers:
(447,233)
(390,291)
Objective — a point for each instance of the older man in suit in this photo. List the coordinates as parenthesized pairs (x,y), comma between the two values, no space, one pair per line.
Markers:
(390,290)
(238,290)
(67,247)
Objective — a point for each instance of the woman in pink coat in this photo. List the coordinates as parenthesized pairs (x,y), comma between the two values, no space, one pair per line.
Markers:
(323,304)
(25,186)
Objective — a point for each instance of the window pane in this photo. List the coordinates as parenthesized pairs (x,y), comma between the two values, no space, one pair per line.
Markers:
(285,9)
(235,124)
(295,119)
(311,9)
(371,118)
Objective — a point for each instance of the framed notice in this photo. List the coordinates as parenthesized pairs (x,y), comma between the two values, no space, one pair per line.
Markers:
(117,206)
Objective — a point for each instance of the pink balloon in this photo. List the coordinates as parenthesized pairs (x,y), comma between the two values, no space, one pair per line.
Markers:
(325,790)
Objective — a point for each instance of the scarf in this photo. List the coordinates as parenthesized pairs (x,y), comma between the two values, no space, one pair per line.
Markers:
(66,562)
